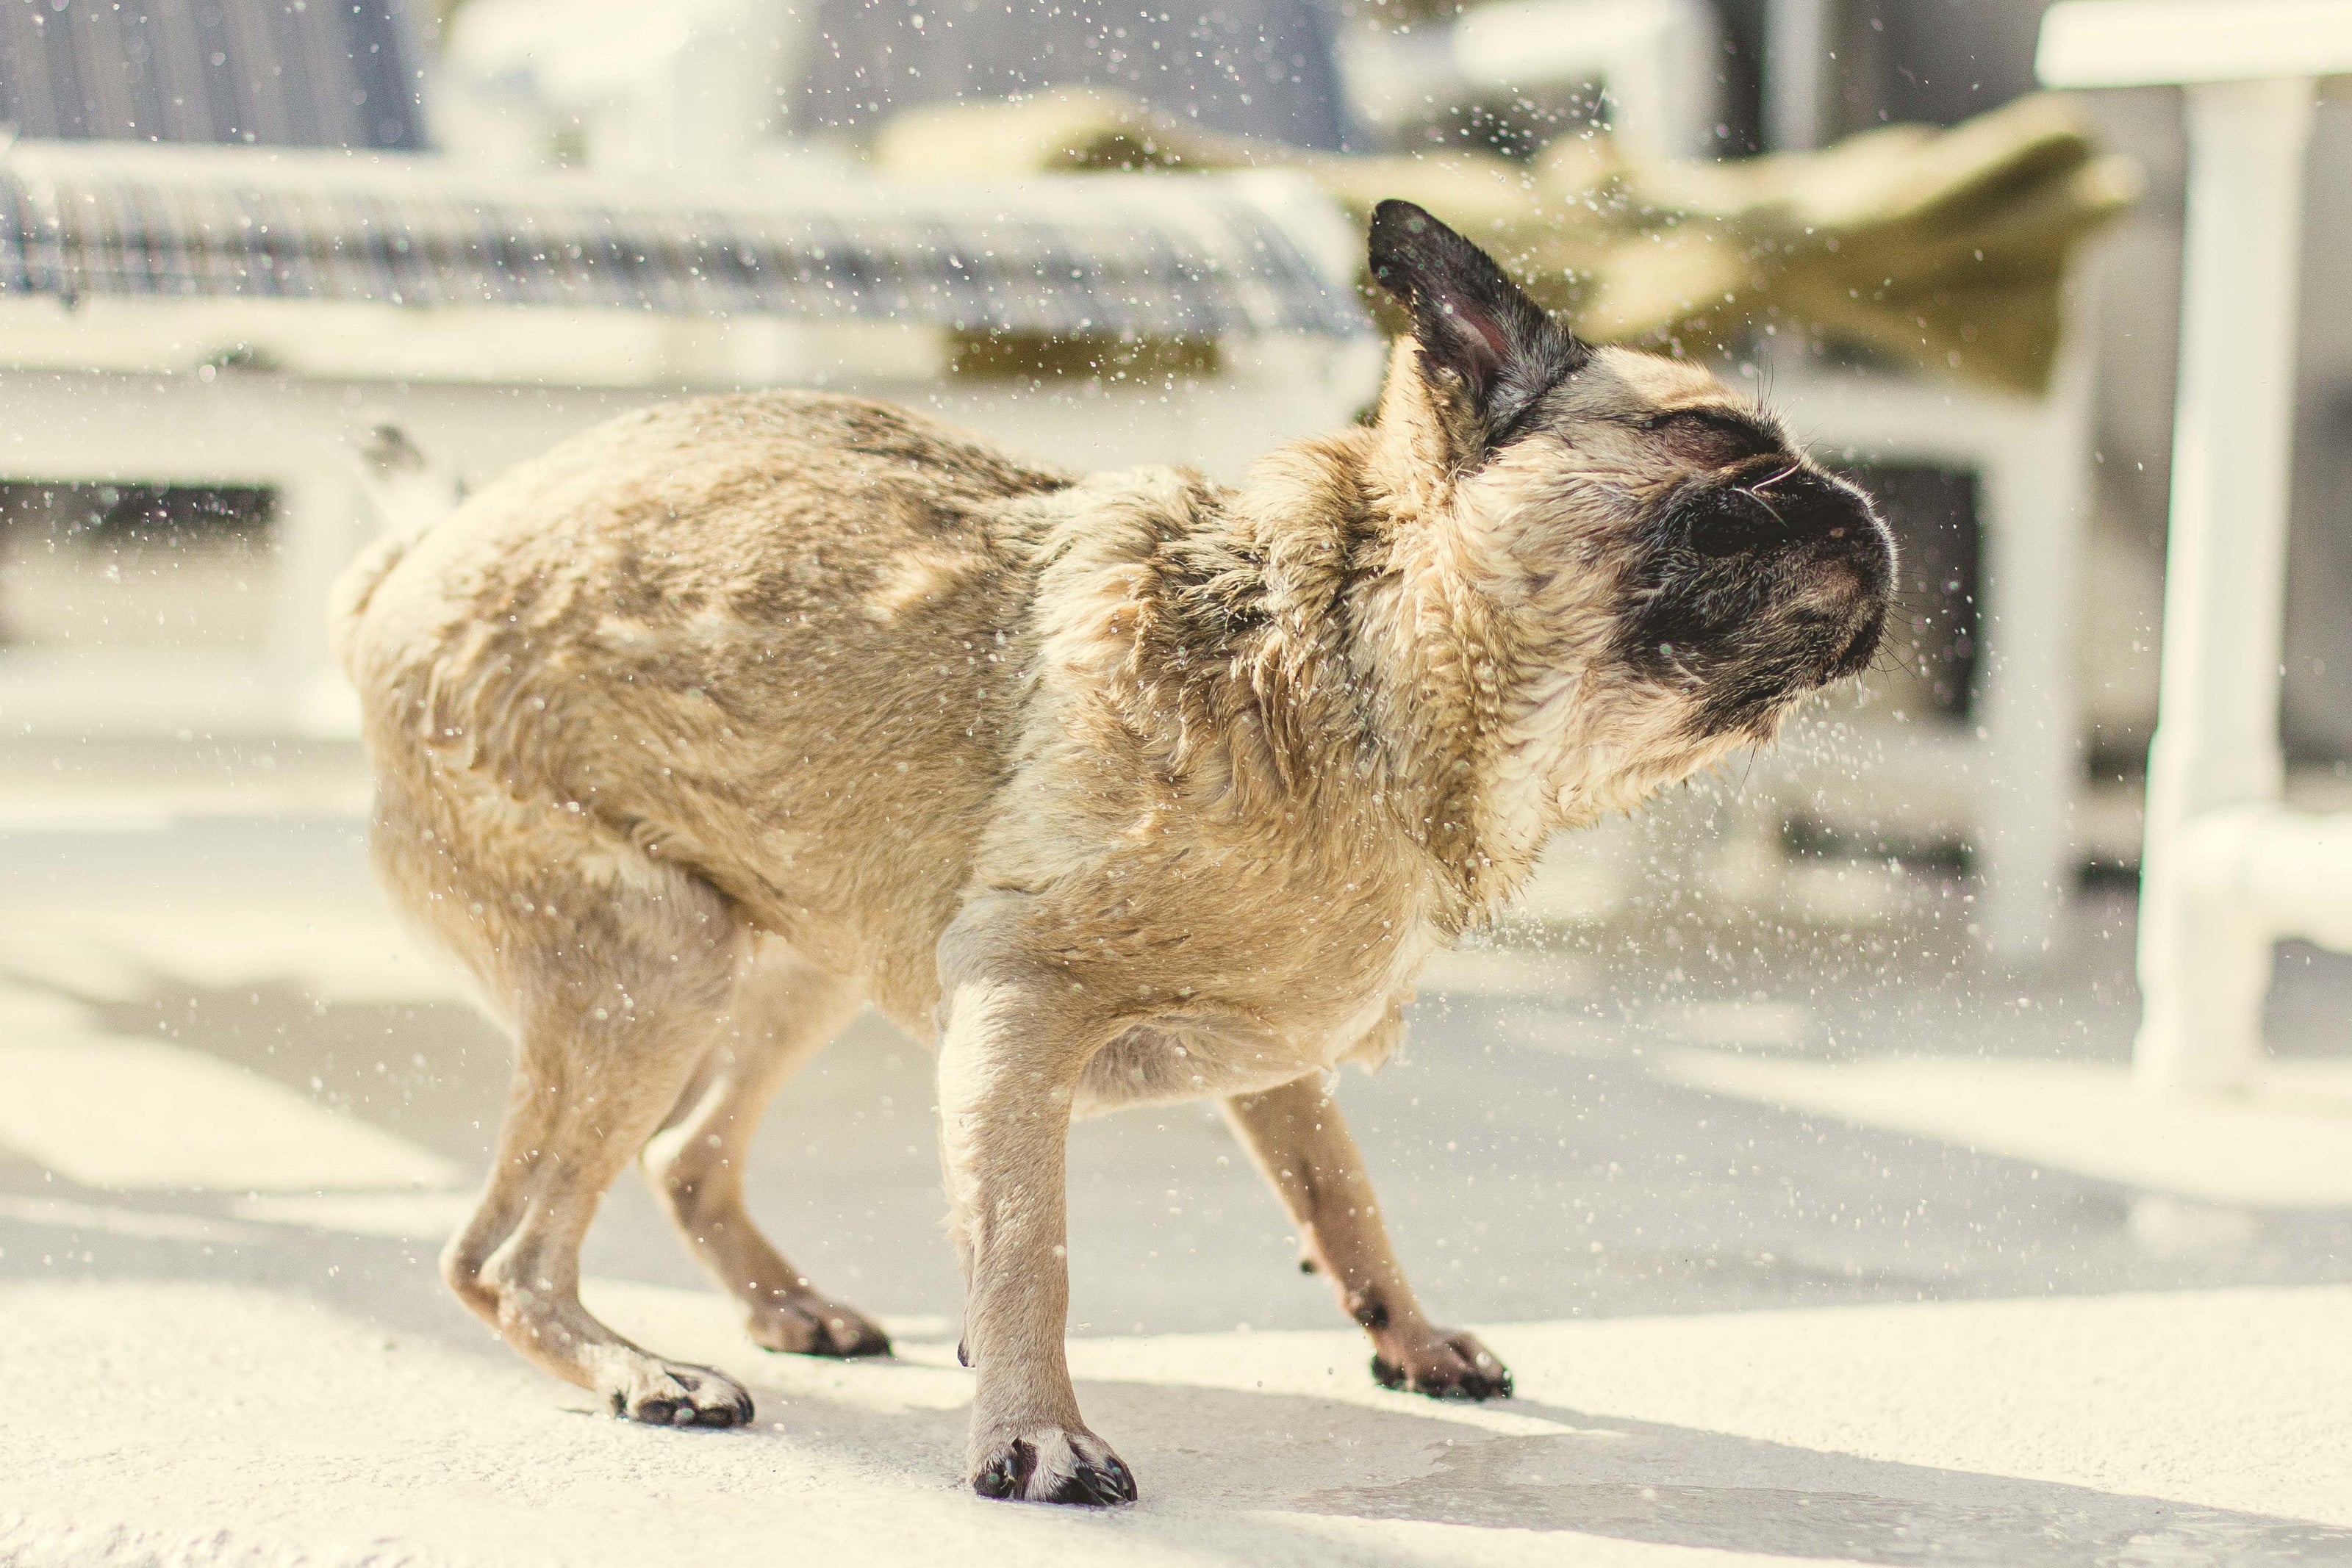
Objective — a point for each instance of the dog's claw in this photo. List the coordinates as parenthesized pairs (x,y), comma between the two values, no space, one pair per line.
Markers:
(1091,1488)
(1122,1482)
(1006,1474)
(1056,1466)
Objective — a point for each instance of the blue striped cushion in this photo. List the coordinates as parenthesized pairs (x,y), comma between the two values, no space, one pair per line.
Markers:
(1066,257)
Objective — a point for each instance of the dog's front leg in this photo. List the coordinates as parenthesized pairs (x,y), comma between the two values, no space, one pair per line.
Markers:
(1011,1051)
(1298,1139)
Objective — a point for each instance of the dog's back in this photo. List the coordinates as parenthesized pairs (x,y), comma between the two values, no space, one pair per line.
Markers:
(720,637)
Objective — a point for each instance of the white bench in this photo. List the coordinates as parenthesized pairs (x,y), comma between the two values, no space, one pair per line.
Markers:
(132,354)
(2004,778)
(2227,871)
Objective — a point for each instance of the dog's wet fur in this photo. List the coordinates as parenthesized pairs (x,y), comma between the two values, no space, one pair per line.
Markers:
(727,717)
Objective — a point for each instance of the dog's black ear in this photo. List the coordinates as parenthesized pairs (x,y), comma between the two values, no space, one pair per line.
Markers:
(1472,323)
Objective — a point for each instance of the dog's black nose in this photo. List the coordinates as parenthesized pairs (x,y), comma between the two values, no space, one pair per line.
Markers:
(1734,521)
(1792,507)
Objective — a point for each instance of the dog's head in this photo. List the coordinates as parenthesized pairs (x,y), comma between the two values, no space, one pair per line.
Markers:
(1659,539)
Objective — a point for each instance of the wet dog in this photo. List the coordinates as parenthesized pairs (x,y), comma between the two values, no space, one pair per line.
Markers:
(697,734)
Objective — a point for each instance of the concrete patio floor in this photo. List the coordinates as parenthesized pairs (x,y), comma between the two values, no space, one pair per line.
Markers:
(1806,1242)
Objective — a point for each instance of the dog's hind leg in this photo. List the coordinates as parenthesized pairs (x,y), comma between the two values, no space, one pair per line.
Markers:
(783,1012)
(1298,1139)
(615,972)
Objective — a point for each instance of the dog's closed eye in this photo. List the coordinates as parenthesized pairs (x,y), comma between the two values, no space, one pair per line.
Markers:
(1713,437)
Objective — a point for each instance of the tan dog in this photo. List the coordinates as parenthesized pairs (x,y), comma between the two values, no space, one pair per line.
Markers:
(728,717)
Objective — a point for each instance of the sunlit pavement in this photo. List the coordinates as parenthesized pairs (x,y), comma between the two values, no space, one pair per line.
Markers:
(1812,1243)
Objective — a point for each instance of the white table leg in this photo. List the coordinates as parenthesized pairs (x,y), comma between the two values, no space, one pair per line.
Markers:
(2204,963)
(1799,42)
(320,527)
(2034,499)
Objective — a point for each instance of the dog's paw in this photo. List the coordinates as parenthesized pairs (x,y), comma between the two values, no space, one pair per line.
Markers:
(1049,1464)
(1443,1365)
(667,1394)
(812,1325)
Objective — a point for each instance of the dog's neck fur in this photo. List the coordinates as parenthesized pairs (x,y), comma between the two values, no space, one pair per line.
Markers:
(1358,650)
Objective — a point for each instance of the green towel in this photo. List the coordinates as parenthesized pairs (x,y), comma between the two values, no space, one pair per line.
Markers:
(1943,249)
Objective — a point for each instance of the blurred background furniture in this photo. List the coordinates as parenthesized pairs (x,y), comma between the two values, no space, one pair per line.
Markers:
(252,305)
(271,75)
(2002,773)
(1800,63)
(2228,870)
(706,82)
(188,316)
(1646,68)
(717,84)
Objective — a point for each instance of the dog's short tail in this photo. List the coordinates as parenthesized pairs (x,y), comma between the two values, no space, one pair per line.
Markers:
(408,493)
